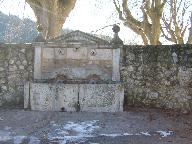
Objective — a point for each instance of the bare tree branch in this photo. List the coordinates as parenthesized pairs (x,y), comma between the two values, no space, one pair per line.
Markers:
(168,38)
(190,31)
(119,11)
(149,27)
(128,14)
(177,24)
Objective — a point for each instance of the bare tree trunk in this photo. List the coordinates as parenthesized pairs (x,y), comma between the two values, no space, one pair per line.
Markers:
(51,15)
(190,31)
(149,28)
(156,27)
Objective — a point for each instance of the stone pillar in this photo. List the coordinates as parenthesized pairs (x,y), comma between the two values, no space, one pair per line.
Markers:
(117,44)
(116,64)
(27,95)
(38,42)
(37,61)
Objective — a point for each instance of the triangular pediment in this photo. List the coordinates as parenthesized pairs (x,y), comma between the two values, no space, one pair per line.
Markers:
(79,37)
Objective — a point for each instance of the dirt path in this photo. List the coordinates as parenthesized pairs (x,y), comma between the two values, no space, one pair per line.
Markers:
(136,126)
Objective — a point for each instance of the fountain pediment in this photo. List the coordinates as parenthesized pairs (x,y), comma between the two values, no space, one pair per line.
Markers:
(79,37)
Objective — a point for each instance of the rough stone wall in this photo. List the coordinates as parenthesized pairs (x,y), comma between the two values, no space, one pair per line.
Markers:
(152,78)
(149,73)
(16,67)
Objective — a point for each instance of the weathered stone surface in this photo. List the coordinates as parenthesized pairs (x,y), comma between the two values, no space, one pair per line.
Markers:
(101,97)
(24,62)
(76,63)
(37,63)
(77,53)
(21,67)
(11,61)
(153,79)
(100,54)
(1,69)
(2,80)
(4,88)
(27,104)
(52,97)
(90,97)
(81,37)
(116,64)
(67,97)
(14,74)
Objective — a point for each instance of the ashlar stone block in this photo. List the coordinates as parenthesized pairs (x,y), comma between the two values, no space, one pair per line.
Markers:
(53,97)
(101,97)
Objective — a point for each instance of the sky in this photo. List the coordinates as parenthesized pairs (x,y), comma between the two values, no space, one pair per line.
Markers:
(87,16)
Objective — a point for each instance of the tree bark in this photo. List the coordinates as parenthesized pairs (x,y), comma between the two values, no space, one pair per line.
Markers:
(51,15)
(190,31)
(149,28)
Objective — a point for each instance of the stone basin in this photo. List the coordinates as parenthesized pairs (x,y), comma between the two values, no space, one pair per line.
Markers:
(74,97)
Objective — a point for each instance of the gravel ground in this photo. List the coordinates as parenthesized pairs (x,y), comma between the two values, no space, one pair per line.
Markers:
(135,126)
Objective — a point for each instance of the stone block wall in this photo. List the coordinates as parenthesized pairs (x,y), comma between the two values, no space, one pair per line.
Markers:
(16,67)
(158,76)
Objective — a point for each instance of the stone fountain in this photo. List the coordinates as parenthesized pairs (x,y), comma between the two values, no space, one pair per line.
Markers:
(76,72)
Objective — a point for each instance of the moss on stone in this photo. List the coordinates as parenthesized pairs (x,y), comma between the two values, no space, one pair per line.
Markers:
(17,100)
(3,55)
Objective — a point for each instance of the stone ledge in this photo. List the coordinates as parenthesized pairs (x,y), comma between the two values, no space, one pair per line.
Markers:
(16,45)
